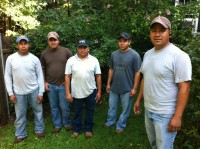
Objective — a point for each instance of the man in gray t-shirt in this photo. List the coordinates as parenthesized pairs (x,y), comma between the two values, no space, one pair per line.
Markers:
(123,78)
(165,86)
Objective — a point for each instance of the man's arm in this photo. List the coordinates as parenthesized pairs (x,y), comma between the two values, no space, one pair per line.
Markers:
(136,107)
(67,87)
(136,82)
(183,94)
(8,81)
(110,76)
(99,84)
(40,80)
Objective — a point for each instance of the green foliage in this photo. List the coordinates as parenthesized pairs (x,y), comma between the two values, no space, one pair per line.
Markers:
(100,21)
(191,130)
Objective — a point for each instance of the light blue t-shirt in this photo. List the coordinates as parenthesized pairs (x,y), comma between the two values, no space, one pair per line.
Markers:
(162,71)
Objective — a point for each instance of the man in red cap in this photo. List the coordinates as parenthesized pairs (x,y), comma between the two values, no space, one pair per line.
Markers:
(165,86)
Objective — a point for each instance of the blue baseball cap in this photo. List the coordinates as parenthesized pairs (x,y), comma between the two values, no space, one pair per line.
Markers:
(83,42)
(124,35)
(22,37)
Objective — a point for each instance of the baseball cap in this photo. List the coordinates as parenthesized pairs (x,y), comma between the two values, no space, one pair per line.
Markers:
(22,37)
(163,21)
(83,42)
(52,35)
(124,35)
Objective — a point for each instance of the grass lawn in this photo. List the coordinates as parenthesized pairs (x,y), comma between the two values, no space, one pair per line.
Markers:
(134,136)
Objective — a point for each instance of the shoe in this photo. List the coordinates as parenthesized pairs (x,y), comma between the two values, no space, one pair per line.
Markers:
(74,135)
(88,135)
(40,135)
(68,128)
(105,126)
(117,131)
(18,140)
(56,130)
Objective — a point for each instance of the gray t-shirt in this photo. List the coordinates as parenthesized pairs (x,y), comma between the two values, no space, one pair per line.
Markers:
(162,70)
(125,65)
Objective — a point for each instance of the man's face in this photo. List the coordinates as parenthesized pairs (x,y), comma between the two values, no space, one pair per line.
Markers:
(23,47)
(82,51)
(123,44)
(53,43)
(159,36)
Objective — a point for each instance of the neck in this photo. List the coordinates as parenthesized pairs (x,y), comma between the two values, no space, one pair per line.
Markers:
(161,47)
(124,50)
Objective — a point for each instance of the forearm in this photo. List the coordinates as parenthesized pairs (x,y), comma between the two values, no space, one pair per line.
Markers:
(183,95)
(140,95)
(67,83)
(110,75)
(99,83)
(136,80)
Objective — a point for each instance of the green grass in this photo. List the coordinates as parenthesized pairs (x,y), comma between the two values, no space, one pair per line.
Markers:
(134,136)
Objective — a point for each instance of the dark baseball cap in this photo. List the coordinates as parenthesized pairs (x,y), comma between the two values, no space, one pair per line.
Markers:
(163,21)
(83,42)
(22,37)
(124,35)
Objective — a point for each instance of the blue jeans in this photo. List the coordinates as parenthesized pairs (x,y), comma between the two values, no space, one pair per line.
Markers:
(90,103)
(21,110)
(114,100)
(60,107)
(156,128)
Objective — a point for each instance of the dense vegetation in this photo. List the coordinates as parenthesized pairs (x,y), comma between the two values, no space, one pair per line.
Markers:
(100,21)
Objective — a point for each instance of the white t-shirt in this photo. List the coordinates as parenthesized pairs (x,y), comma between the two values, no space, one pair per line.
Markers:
(83,75)
(162,71)
(23,74)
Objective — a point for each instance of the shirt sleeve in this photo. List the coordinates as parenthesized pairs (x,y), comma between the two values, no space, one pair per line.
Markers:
(68,69)
(8,76)
(183,68)
(40,78)
(97,68)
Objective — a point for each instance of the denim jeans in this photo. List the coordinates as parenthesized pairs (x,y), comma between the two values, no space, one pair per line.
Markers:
(156,128)
(60,107)
(126,102)
(89,104)
(21,110)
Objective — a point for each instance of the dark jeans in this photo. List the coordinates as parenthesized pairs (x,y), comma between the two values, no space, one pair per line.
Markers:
(79,104)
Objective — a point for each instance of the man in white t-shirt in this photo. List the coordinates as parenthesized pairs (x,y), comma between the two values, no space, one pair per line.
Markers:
(83,75)
(165,86)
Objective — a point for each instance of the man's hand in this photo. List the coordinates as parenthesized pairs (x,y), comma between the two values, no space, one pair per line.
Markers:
(175,124)
(108,89)
(12,99)
(132,92)
(39,99)
(136,107)
(69,98)
(46,85)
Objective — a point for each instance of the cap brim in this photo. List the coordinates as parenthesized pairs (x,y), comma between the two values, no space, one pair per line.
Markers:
(53,37)
(82,45)
(163,24)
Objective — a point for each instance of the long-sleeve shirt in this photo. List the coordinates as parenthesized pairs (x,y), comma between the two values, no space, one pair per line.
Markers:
(23,74)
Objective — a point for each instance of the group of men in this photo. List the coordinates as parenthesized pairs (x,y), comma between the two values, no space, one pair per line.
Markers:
(165,85)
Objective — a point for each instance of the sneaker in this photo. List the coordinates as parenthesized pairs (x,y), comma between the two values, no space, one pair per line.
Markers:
(105,126)
(68,128)
(18,140)
(117,131)
(88,135)
(40,135)
(56,130)
(74,135)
